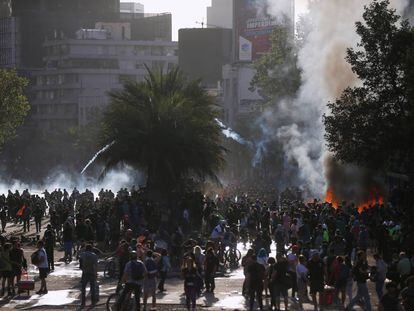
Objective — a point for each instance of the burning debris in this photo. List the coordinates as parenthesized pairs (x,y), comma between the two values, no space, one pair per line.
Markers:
(352,184)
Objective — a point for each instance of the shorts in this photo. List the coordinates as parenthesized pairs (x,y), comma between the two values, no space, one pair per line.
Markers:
(150,286)
(43,272)
(316,287)
(280,290)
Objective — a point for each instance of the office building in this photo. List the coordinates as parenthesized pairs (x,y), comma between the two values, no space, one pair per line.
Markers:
(131,7)
(9,43)
(203,52)
(73,87)
(220,14)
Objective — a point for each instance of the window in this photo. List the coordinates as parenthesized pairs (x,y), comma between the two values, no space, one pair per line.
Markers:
(124,78)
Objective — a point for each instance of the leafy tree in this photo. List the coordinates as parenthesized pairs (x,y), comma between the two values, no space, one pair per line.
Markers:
(165,126)
(277,75)
(14,105)
(373,124)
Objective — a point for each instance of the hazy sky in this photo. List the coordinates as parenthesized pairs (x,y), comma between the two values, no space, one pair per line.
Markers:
(186,13)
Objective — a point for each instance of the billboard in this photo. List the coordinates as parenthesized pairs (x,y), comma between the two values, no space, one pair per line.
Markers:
(253,26)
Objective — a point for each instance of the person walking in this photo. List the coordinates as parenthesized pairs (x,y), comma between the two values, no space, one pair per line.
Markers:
(360,272)
(164,267)
(88,262)
(211,264)
(68,238)
(189,271)
(256,273)
(18,262)
(39,259)
(133,277)
(150,282)
(302,280)
(316,269)
(49,240)
(381,275)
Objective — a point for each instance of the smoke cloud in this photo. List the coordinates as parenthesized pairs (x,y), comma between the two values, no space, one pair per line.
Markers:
(297,123)
(113,180)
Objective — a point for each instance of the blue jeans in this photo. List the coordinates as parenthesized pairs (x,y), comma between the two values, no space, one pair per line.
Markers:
(362,293)
(379,285)
(88,278)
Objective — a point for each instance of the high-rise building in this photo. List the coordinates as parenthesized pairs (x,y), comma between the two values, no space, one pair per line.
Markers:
(59,19)
(73,87)
(5,8)
(220,14)
(132,7)
(203,52)
(9,43)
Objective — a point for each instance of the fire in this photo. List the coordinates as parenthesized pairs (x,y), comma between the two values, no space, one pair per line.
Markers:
(330,198)
(374,198)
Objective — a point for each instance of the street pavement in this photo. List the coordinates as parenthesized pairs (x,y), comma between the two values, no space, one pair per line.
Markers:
(64,291)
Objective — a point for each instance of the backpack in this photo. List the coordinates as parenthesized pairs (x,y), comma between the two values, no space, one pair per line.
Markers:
(35,258)
(137,270)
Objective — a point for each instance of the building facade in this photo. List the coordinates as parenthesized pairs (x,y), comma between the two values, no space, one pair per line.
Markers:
(203,52)
(73,88)
(131,7)
(9,43)
(220,14)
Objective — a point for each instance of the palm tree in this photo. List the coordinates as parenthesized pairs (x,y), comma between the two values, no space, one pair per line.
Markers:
(165,126)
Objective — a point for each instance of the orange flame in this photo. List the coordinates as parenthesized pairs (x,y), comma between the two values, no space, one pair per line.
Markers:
(375,198)
(330,198)
(371,202)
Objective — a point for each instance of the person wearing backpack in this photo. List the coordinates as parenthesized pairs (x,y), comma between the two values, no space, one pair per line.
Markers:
(133,277)
(88,262)
(150,282)
(39,259)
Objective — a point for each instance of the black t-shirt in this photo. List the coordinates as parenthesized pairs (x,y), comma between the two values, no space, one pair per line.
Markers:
(316,270)
(256,272)
(360,272)
(212,263)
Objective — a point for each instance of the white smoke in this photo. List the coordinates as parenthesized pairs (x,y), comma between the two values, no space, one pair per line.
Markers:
(230,133)
(298,124)
(114,180)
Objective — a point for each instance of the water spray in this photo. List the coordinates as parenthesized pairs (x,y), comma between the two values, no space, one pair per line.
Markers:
(230,133)
(97,155)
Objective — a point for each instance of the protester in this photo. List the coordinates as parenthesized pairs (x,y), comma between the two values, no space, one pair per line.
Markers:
(189,273)
(39,258)
(133,276)
(360,272)
(88,263)
(256,273)
(211,265)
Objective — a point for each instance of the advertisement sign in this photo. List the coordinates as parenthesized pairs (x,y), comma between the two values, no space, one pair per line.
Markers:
(253,26)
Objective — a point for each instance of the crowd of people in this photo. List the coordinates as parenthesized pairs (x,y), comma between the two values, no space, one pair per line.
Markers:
(294,248)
